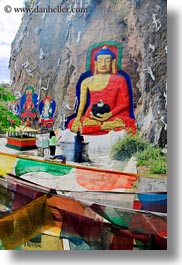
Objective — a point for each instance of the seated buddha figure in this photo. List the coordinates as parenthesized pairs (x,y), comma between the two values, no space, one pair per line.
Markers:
(109,101)
(46,108)
(28,105)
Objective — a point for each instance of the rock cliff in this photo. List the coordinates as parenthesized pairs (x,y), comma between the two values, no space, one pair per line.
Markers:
(49,53)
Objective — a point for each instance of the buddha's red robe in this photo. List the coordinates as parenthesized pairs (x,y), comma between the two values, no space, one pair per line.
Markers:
(116,95)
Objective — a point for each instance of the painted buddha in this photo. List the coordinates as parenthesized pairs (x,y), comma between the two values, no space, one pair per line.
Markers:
(46,108)
(109,100)
(28,104)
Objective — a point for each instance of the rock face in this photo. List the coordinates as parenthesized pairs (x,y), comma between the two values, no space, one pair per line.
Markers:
(50,50)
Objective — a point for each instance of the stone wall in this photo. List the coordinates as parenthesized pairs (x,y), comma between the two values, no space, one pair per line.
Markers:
(50,50)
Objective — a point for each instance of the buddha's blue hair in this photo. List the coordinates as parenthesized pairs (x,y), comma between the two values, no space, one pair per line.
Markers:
(105,51)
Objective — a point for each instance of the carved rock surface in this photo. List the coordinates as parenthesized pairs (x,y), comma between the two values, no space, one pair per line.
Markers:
(52,48)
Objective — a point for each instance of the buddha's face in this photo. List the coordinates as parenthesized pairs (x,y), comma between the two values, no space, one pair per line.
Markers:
(104,63)
(29,92)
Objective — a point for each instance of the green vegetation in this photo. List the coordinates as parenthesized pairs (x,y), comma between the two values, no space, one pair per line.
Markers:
(146,155)
(154,158)
(6,117)
(125,148)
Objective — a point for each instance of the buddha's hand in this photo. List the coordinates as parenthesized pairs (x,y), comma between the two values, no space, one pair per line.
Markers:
(101,117)
(76,126)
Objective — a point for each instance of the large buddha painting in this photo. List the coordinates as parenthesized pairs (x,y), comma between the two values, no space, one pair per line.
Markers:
(104,93)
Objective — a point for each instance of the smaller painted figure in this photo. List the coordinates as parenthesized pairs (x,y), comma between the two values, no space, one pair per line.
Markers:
(28,104)
(46,108)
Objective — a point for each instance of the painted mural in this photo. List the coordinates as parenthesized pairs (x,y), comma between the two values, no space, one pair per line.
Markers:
(14,108)
(28,105)
(46,109)
(104,93)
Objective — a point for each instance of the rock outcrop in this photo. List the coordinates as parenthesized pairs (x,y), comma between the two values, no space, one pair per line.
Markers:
(50,50)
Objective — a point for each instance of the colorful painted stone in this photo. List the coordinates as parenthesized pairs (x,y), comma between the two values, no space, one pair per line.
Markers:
(28,105)
(14,108)
(46,109)
(104,94)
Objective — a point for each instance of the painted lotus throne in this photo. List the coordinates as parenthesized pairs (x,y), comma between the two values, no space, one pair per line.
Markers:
(104,99)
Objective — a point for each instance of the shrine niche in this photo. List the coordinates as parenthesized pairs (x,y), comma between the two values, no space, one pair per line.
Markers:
(104,99)
(28,106)
(46,109)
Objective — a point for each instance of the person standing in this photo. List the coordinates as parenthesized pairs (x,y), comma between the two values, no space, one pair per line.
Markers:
(52,144)
(78,148)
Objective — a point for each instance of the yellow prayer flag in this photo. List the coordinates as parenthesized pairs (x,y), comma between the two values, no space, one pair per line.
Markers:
(25,223)
(7,163)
